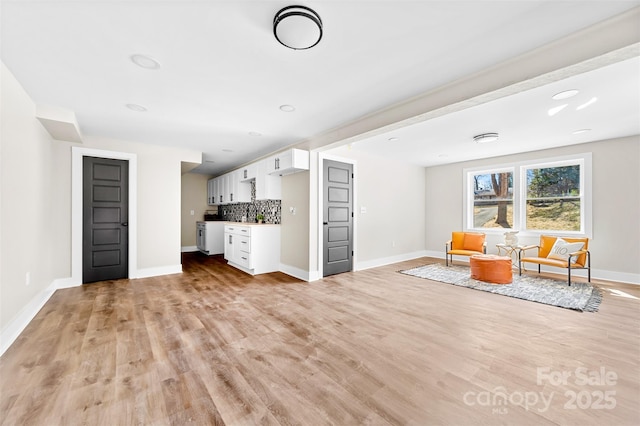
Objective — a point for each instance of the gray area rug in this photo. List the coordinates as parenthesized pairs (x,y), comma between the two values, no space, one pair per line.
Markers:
(582,297)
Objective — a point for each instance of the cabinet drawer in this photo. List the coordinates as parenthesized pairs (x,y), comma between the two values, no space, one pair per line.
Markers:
(244,243)
(238,230)
(244,259)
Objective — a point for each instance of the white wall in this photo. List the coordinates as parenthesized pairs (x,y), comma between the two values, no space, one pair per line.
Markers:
(36,212)
(194,197)
(615,245)
(393,194)
(294,229)
(26,166)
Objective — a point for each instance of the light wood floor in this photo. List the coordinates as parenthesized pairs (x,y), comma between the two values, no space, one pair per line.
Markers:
(216,346)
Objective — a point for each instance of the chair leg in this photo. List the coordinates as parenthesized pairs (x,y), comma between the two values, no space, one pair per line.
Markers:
(569,274)
(446,255)
(519,264)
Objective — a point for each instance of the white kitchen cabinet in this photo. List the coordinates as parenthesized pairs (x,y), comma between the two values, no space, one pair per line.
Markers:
(267,186)
(248,173)
(211,193)
(254,249)
(287,162)
(228,189)
(210,237)
(239,191)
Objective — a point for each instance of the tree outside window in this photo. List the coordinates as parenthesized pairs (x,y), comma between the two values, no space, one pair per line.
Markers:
(493,200)
(553,198)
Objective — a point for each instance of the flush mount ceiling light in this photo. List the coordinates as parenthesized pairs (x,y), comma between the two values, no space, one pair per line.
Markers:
(287,108)
(297,27)
(392,139)
(565,95)
(486,137)
(144,61)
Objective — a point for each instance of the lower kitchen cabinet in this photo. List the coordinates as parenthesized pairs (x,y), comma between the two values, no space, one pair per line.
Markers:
(209,237)
(252,248)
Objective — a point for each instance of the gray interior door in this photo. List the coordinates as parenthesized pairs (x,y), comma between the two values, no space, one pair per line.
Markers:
(337,217)
(105,212)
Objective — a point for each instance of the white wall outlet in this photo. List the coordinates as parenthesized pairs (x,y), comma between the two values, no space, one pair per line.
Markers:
(292,210)
(192,212)
(393,243)
(363,209)
(27,278)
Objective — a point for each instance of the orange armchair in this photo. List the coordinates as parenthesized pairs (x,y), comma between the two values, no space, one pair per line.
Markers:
(465,244)
(560,252)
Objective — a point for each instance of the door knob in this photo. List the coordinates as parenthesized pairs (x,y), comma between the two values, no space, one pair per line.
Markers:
(124,224)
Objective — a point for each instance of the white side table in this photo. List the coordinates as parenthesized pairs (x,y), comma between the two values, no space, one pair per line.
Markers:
(510,251)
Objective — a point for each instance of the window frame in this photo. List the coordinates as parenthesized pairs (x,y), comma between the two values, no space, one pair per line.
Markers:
(584,160)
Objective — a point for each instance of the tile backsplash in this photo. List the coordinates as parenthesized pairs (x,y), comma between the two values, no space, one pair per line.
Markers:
(271,209)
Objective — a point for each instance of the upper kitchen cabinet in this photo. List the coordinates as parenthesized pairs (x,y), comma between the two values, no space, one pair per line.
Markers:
(267,186)
(211,192)
(228,189)
(239,190)
(287,162)
(248,173)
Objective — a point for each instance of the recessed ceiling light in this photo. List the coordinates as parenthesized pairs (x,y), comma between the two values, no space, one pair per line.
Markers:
(227,150)
(255,134)
(486,137)
(287,108)
(586,104)
(393,139)
(577,132)
(136,107)
(565,95)
(144,61)
(553,111)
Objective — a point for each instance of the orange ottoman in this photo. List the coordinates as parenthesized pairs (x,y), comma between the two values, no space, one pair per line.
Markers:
(491,268)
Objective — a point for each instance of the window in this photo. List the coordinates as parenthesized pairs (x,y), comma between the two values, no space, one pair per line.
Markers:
(548,196)
(493,199)
(553,198)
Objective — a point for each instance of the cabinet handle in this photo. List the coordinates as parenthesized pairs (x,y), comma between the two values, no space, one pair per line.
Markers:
(231,198)
(244,258)
(230,239)
(245,174)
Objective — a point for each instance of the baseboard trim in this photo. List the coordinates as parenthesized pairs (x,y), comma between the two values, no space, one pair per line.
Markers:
(295,272)
(12,331)
(188,249)
(389,260)
(157,271)
(61,283)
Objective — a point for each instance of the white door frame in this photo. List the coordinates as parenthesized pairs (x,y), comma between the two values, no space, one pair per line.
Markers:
(77,154)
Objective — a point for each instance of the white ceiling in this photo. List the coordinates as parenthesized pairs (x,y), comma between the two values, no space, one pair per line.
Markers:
(223,75)
(523,121)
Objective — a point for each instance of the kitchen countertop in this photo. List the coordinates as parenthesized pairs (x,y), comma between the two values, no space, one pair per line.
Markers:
(251,224)
(227,222)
